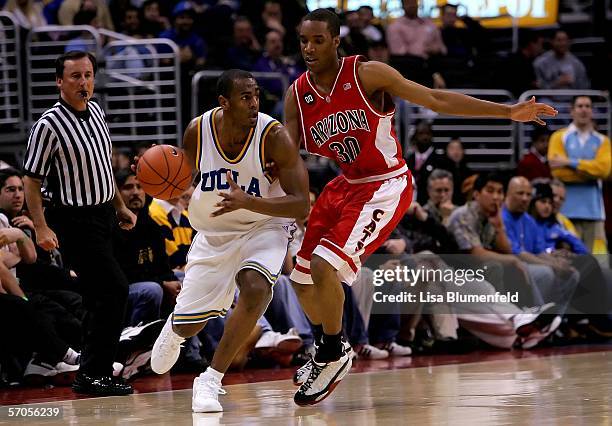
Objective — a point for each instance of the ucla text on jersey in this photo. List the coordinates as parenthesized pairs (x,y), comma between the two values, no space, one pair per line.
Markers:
(217,180)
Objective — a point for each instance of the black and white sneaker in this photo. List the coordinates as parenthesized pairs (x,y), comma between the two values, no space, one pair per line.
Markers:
(302,373)
(323,379)
(137,363)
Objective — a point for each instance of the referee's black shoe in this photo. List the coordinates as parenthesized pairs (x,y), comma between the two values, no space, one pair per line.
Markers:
(101,385)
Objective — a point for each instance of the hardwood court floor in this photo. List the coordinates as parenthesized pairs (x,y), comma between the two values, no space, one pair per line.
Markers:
(559,389)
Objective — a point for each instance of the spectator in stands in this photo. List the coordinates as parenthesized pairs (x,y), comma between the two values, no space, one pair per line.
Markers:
(461,42)
(456,163)
(580,157)
(55,294)
(560,69)
(559,195)
(271,20)
(378,51)
(173,220)
(440,189)
(130,22)
(529,245)
(373,32)
(520,74)
(535,164)
(70,8)
(553,234)
(121,158)
(352,39)
(246,49)
(192,49)
(28,14)
(478,228)
(152,22)
(424,159)
(142,256)
(272,60)
(87,15)
(411,35)
(594,286)
(32,332)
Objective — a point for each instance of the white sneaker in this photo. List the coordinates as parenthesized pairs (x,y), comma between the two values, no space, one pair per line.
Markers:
(322,380)
(40,368)
(303,372)
(206,391)
(38,373)
(289,342)
(166,349)
(372,352)
(396,349)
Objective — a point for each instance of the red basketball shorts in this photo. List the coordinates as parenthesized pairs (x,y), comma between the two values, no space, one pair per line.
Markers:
(349,221)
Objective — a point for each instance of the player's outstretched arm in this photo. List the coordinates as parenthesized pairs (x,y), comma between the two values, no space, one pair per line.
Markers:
(376,76)
(292,175)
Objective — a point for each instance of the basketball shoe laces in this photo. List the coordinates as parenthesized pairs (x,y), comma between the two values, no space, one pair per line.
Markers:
(171,343)
(209,388)
(315,370)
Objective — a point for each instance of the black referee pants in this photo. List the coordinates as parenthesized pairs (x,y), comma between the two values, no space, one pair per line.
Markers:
(85,241)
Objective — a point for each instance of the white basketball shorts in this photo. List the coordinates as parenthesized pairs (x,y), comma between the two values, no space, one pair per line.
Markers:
(213,264)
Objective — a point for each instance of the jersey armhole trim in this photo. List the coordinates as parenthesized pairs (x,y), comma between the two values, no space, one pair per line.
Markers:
(361,91)
(198,156)
(262,157)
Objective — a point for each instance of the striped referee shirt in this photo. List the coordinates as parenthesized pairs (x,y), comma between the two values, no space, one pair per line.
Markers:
(72,150)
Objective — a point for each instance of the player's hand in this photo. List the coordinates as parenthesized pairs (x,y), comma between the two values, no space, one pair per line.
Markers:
(136,159)
(127,219)
(531,111)
(234,200)
(46,238)
(23,222)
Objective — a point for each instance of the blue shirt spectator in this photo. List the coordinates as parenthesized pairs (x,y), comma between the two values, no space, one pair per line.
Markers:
(523,232)
(273,61)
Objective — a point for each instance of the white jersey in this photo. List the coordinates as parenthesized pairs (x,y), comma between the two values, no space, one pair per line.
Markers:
(247,171)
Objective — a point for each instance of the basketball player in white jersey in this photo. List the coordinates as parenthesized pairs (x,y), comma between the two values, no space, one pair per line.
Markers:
(242,218)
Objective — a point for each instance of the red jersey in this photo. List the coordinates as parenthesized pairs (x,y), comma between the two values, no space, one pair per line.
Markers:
(346,127)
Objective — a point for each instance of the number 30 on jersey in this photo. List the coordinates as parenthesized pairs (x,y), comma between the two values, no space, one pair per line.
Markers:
(347,150)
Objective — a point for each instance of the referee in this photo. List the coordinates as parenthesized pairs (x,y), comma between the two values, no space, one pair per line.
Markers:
(69,150)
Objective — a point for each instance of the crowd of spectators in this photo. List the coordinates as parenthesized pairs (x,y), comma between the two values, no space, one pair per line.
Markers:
(540,233)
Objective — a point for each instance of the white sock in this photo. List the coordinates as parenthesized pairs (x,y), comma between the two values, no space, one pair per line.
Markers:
(214,374)
(72,357)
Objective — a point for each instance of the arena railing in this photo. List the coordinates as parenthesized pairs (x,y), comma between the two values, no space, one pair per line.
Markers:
(43,46)
(562,101)
(11,95)
(489,143)
(203,89)
(138,81)
(142,95)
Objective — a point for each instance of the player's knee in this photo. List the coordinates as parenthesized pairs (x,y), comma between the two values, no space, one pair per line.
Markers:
(255,290)
(303,290)
(320,269)
(188,330)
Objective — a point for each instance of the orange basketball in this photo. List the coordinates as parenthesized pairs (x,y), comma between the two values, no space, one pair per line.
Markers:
(164,172)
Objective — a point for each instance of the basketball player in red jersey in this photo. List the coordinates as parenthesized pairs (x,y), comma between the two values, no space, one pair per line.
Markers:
(341,108)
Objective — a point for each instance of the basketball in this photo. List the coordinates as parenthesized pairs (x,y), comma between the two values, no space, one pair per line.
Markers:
(163,172)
